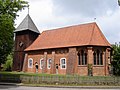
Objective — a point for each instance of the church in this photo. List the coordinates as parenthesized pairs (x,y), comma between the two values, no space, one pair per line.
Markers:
(74,50)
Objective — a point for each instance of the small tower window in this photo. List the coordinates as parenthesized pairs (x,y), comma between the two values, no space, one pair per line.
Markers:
(21,43)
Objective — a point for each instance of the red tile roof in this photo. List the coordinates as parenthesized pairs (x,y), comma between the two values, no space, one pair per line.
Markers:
(78,35)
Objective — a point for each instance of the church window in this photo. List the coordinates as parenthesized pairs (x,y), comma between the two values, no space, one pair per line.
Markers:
(49,61)
(98,58)
(94,55)
(63,63)
(82,58)
(30,63)
(79,60)
(41,63)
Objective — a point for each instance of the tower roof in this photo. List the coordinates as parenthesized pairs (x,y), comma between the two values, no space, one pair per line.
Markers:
(27,24)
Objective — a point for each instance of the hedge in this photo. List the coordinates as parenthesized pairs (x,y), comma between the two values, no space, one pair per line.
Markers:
(28,78)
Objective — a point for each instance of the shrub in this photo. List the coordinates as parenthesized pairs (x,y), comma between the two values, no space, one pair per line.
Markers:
(8,64)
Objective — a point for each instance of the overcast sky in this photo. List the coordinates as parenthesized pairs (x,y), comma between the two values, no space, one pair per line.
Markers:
(49,14)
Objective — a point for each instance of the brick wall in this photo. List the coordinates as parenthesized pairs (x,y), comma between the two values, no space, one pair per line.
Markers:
(82,70)
(71,64)
(37,55)
(71,60)
(57,62)
(98,71)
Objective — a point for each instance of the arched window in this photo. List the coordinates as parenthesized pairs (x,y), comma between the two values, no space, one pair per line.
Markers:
(82,55)
(30,63)
(85,63)
(94,55)
(98,58)
(101,58)
(82,58)
(63,63)
(49,61)
(79,60)
(41,63)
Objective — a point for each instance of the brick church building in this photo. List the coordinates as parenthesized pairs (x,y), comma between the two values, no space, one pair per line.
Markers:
(79,49)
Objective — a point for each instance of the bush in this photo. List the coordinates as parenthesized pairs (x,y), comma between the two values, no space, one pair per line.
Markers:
(8,64)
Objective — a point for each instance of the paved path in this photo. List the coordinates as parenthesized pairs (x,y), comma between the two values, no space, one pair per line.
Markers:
(8,87)
(4,86)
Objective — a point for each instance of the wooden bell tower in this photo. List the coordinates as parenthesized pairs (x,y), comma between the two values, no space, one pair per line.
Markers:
(25,34)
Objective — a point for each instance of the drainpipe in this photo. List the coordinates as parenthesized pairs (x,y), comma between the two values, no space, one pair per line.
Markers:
(105,62)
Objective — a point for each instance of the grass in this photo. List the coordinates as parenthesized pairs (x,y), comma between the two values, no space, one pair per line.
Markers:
(53,79)
(27,74)
(39,74)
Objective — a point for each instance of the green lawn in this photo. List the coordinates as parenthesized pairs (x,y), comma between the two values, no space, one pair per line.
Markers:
(27,74)
(53,79)
(39,74)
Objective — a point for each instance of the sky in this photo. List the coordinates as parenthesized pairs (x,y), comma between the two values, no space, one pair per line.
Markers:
(51,14)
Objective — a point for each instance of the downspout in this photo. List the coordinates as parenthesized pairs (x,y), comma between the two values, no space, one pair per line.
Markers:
(105,62)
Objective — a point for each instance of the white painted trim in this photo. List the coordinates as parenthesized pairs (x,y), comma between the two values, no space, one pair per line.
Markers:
(48,63)
(29,63)
(63,64)
(40,63)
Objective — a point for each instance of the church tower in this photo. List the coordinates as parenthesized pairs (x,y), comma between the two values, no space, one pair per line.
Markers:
(25,34)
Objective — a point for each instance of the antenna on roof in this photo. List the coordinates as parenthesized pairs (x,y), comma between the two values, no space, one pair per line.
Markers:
(28,8)
(94,19)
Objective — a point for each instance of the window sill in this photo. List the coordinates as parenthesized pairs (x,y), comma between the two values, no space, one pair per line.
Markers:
(62,68)
(82,65)
(30,67)
(98,65)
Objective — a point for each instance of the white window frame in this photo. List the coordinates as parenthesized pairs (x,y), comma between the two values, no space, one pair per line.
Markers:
(42,59)
(49,64)
(29,63)
(63,64)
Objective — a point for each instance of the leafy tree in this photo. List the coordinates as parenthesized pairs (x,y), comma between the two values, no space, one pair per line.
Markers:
(8,13)
(6,36)
(119,2)
(8,64)
(11,7)
(116,60)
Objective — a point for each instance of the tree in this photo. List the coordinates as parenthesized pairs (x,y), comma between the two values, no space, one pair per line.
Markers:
(8,13)
(8,64)
(6,36)
(119,2)
(11,7)
(116,60)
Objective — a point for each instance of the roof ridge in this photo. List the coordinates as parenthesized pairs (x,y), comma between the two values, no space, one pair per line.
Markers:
(69,26)
(92,33)
(32,23)
(28,21)
(106,42)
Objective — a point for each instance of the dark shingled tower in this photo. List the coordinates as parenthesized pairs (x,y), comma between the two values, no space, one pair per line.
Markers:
(25,34)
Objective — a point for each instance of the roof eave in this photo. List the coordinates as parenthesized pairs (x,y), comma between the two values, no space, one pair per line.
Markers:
(36,49)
